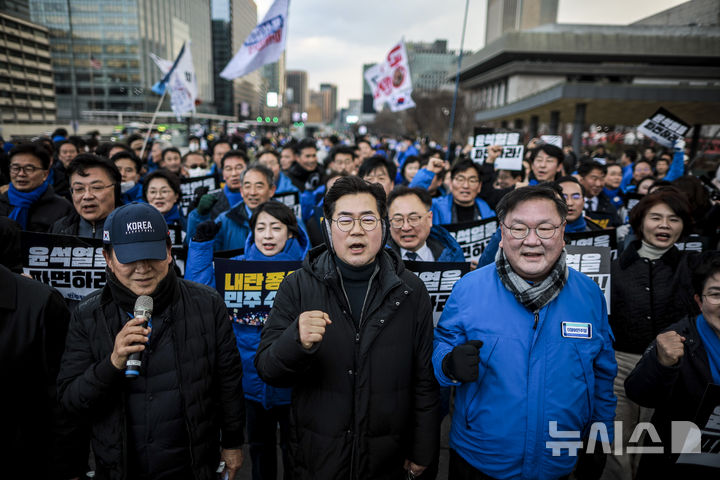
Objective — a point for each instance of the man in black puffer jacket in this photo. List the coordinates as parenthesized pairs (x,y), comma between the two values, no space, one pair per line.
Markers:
(351,332)
(187,400)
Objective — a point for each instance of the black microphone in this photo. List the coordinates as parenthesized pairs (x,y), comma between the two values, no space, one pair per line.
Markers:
(143,308)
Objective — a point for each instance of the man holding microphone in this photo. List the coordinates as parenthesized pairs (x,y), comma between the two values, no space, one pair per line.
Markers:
(183,410)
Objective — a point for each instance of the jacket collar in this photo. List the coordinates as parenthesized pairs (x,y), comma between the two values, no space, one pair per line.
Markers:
(630,255)
(238,214)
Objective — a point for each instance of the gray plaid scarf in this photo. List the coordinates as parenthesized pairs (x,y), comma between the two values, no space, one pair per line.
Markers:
(536,296)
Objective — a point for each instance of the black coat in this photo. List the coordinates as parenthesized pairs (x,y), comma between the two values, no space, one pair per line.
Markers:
(206,360)
(648,296)
(366,399)
(70,225)
(33,325)
(606,215)
(305,180)
(674,392)
(43,213)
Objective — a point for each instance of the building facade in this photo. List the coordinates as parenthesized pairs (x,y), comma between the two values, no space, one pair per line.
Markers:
(100,51)
(27,93)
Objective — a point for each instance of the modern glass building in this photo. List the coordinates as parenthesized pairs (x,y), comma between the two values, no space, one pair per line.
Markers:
(100,51)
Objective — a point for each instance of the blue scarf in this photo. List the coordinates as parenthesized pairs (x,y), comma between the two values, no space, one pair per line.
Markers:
(173,216)
(711,342)
(615,196)
(576,226)
(293,251)
(22,201)
(233,197)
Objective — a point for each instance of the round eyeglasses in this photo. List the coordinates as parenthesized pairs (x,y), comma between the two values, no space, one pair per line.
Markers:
(346,223)
(544,231)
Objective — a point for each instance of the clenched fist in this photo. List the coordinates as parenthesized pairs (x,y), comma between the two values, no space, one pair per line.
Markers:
(311,325)
(670,348)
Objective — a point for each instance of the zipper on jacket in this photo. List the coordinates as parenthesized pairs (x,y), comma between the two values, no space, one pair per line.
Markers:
(367,293)
(180,390)
(537,317)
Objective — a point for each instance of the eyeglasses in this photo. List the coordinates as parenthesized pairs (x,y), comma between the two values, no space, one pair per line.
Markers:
(93,189)
(27,169)
(346,223)
(397,221)
(713,298)
(160,193)
(574,196)
(197,165)
(472,181)
(544,231)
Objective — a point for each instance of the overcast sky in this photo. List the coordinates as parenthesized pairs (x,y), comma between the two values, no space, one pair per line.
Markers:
(332,39)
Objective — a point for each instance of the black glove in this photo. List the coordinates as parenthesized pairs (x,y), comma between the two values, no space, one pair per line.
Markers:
(462,363)
(206,231)
(206,203)
(590,466)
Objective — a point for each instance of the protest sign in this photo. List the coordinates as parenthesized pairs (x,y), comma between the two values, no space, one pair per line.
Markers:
(292,200)
(694,243)
(179,249)
(664,127)
(474,236)
(75,266)
(512,153)
(598,238)
(594,262)
(552,140)
(249,288)
(439,279)
(188,187)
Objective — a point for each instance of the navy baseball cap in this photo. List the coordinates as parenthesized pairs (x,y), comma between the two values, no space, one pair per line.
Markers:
(136,231)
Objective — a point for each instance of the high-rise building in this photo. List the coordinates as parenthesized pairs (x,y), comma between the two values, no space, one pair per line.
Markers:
(431,64)
(297,93)
(16,8)
(26,81)
(367,96)
(232,22)
(329,92)
(274,87)
(100,51)
(516,15)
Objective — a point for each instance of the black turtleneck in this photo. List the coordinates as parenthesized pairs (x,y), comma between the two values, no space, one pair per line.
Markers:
(356,280)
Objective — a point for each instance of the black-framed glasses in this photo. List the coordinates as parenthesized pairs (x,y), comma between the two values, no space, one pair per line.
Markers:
(713,298)
(544,231)
(27,169)
(94,189)
(397,221)
(346,223)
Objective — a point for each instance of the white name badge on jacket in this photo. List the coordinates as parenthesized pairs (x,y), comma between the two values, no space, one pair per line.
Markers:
(576,330)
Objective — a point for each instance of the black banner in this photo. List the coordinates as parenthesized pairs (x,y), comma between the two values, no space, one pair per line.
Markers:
(474,236)
(594,262)
(188,187)
(439,279)
(75,266)
(598,238)
(249,288)
(292,200)
(664,127)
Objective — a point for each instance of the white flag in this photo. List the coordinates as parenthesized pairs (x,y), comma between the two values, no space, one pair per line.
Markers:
(390,80)
(180,78)
(264,45)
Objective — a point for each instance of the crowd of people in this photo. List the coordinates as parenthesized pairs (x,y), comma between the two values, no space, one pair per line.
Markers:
(349,367)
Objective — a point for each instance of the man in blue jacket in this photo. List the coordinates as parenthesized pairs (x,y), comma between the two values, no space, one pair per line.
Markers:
(413,234)
(527,343)
(463,203)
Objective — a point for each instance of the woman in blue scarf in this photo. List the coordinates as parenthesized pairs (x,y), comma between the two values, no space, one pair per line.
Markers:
(162,190)
(275,236)
(675,371)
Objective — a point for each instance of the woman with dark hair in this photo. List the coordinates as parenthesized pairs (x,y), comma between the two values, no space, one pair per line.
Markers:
(275,236)
(409,169)
(651,289)
(162,190)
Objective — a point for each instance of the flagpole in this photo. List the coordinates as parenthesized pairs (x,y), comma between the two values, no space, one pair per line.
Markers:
(152,122)
(457,81)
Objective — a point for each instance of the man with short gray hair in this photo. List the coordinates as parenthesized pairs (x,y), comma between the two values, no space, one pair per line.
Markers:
(526,341)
